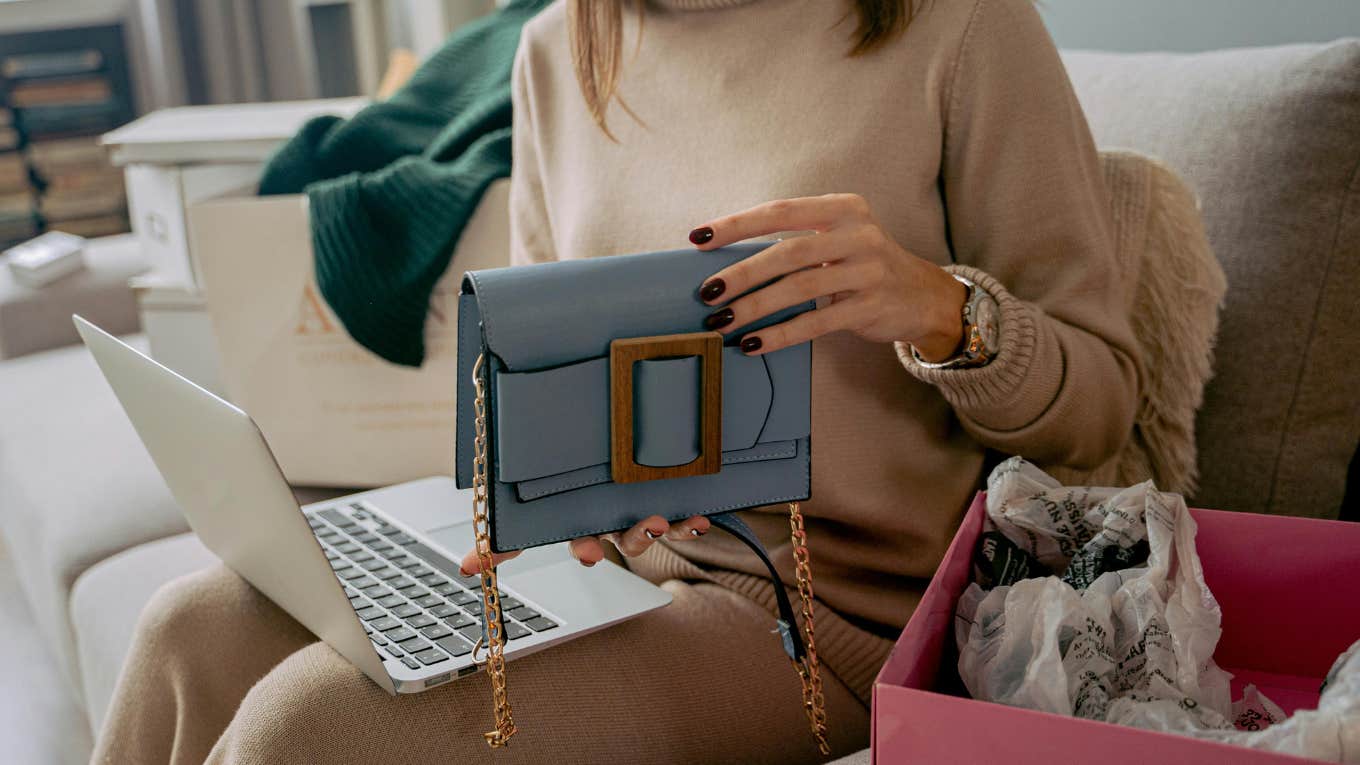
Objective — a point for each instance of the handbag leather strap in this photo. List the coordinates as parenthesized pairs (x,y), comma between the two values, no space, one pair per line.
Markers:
(786,624)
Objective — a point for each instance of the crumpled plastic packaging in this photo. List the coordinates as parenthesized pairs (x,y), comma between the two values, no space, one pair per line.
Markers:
(1124,630)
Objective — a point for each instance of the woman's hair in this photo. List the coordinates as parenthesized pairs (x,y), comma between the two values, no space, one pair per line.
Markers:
(595,28)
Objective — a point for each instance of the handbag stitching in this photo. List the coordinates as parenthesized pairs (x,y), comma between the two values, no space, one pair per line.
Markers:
(807,480)
(783,452)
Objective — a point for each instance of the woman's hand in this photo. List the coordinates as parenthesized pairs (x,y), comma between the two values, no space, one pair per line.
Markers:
(633,542)
(875,288)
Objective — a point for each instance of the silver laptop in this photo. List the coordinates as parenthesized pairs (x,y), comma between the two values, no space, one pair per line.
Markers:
(374,574)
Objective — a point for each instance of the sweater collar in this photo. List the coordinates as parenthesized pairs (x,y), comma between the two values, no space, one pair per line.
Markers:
(699,5)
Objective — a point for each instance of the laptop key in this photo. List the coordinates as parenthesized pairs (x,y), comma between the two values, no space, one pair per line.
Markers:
(393,650)
(414,645)
(430,601)
(315,522)
(420,620)
(391,601)
(520,614)
(431,656)
(386,623)
(347,547)
(376,590)
(455,645)
(508,603)
(412,663)
(373,564)
(364,581)
(361,556)
(436,631)
(360,603)
(462,597)
(398,633)
(541,624)
(350,574)
(401,582)
(460,621)
(515,630)
(443,610)
(415,592)
(380,547)
(401,539)
(406,610)
(446,588)
(472,632)
(474,608)
(430,580)
(372,612)
(403,561)
(377,638)
(388,530)
(332,555)
(334,516)
(365,536)
(420,571)
(387,573)
(351,593)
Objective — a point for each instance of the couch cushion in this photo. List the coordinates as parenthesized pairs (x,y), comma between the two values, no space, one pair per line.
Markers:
(1268,140)
(76,485)
(107,601)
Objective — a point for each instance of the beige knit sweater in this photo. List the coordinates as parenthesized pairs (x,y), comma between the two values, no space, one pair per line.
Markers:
(966,138)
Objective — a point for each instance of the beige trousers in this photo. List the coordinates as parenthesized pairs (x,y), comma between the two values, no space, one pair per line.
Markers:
(218,673)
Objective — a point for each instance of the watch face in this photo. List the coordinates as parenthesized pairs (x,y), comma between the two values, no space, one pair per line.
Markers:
(987,320)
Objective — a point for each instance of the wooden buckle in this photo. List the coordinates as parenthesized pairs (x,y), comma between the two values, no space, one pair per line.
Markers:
(623,353)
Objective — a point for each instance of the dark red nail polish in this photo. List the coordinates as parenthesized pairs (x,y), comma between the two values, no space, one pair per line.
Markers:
(718,319)
(750,344)
(712,289)
(701,235)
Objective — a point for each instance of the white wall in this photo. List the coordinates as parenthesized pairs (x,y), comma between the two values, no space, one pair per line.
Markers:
(1194,25)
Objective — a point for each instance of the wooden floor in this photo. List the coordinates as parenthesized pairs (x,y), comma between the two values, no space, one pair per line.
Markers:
(40,721)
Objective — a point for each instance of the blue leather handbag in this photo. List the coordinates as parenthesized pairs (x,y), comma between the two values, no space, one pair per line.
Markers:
(588,400)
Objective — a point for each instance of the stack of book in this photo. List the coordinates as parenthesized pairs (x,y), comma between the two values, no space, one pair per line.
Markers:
(17,220)
(83,192)
(62,89)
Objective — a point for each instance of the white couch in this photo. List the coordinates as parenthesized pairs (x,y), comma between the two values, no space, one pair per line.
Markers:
(94,532)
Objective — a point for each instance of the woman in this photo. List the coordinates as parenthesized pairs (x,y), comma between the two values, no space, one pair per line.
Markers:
(941,159)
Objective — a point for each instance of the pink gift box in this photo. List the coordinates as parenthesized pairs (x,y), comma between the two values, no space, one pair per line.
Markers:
(1291,604)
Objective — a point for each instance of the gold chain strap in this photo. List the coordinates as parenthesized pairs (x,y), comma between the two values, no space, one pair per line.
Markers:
(491,601)
(810,669)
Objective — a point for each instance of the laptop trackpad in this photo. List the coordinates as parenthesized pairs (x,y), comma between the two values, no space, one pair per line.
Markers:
(456,540)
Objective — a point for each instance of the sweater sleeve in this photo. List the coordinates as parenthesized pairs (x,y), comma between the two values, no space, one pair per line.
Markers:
(530,232)
(1029,222)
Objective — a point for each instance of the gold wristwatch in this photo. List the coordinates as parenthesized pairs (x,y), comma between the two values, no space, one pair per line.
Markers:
(981,331)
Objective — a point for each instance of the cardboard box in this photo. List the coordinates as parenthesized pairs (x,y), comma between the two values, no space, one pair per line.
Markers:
(334,413)
(1290,604)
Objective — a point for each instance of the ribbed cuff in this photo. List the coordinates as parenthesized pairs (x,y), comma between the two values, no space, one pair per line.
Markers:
(1024,363)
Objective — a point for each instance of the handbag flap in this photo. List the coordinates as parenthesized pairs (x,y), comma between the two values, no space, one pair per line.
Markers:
(548,329)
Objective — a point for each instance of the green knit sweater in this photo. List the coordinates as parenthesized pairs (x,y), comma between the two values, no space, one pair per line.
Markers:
(392,188)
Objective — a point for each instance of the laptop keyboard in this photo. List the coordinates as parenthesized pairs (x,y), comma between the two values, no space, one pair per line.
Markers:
(415,605)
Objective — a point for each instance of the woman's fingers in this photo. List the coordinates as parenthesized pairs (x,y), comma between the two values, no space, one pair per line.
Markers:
(799,214)
(471,564)
(793,289)
(636,540)
(848,314)
(690,528)
(587,550)
(786,257)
